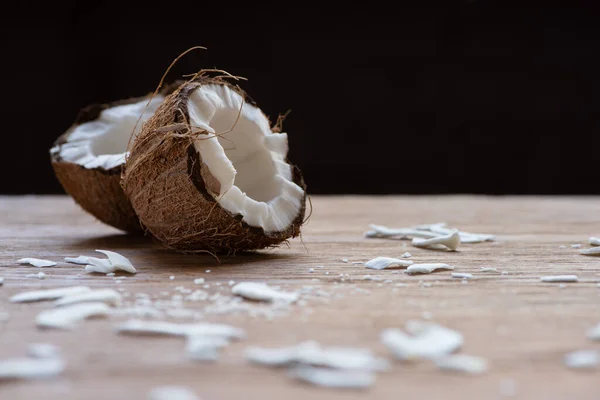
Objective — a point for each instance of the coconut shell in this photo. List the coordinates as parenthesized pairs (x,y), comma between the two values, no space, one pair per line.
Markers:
(97,190)
(168,185)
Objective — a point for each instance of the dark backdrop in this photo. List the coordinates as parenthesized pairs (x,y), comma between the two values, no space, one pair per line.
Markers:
(471,97)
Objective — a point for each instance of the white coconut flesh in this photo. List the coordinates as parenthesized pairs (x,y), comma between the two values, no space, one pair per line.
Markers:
(245,157)
(103,142)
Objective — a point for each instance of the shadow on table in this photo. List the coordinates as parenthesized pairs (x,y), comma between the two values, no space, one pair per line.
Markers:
(144,250)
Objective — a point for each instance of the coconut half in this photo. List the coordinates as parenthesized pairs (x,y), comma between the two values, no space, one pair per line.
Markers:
(89,157)
(208,173)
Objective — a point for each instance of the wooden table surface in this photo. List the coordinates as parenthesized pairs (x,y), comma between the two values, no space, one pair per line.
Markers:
(522,326)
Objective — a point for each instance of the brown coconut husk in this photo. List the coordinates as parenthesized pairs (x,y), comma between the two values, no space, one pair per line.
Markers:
(98,191)
(169,186)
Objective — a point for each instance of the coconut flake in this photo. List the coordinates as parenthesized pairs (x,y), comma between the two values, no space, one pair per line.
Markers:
(380,231)
(594,333)
(139,327)
(582,359)
(331,378)
(462,275)
(489,269)
(118,262)
(425,340)
(82,260)
(43,350)
(427,268)
(36,262)
(68,317)
(592,251)
(451,241)
(311,353)
(108,296)
(387,263)
(463,363)
(594,241)
(262,292)
(559,278)
(198,281)
(172,393)
(30,368)
(406,255)
(204,348)
(50,294)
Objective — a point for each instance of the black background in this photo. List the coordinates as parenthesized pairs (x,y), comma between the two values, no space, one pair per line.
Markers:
(471,96)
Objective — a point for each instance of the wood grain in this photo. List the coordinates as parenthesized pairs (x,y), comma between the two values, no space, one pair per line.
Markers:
(522,326)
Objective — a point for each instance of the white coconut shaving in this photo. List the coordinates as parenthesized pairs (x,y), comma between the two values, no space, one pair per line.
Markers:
(594,333)
(387,263)
(139,327)
(582,359)
(81,260)
(451,241)
(43,350)
(332,378)
(424,340)
(594,241)
(245,157)
(172,393)
(559,278)
(198,281)
(427,268)
(204,348)
(380,231)
(592,251)
(262,292)
(69,316)
(462,275)
(115,262)
(489,269)
(312,353)
(108,296)
(50,294)
(463,363)
(102,143)
(406,255)
(36,262)
(30,368)
(39,275)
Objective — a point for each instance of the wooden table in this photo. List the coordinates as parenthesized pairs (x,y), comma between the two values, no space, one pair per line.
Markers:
(522,326)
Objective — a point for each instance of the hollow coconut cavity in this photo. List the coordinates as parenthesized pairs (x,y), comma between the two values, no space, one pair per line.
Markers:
(207,173)
(88,159)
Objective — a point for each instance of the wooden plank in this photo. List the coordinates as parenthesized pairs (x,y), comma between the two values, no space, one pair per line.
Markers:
(522,326)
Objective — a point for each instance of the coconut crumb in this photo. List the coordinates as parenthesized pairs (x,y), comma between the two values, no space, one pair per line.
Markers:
(582,359)
(50,294)
(423,340)
(594,333)
(172,277)
(427,268)
(406,255)
(204,348)
(489,269)
(312,353)
(140,327)
(1,281)
(311,270)
(172,393)
(559,278)
(462,275)
(39,275)
(43,350)
(262,292)
(345,260)
(108,296)
(331,378)
(36,262)
(110,274)
(594,241)
(231,283)
(30,368)
(463,363)
(387,262)
(576,246)
(207,271)
(68,317)
(592,251)
(198,281)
